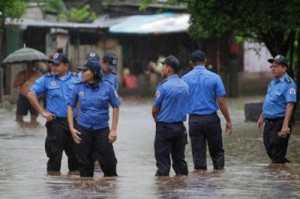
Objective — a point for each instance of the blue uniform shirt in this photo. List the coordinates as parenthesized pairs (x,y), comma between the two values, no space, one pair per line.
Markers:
(280,92)
(205,87)
(171,98)
(94,103)
(57,91)
(112,78)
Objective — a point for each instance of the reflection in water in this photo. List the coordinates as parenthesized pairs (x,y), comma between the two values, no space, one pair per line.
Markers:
(248,172)
(76,187)
(171,187)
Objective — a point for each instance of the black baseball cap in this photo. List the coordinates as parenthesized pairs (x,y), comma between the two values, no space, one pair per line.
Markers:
(92,55)
(282,60)
(91,64)
(172,61)
(59,58)
(198,55)
(111,60)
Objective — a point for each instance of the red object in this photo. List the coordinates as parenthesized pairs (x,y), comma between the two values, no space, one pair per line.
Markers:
(130,81)
(234,48)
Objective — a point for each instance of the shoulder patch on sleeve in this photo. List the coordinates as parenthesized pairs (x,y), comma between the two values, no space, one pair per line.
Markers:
(157,94)
(292,91)
(288,80)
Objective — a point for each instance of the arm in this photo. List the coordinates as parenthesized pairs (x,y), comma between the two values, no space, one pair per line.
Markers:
(74,132)
(260,120)
(288,115)
(36,104)
(112,136)
(20,79)
(155,111)
(224,109)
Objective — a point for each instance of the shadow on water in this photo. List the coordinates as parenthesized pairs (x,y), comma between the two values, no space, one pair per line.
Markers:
(248,172)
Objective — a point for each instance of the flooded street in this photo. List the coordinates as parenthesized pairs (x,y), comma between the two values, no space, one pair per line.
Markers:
(248,172)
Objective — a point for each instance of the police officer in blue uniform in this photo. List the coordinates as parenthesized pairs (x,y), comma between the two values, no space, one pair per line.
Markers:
(109,69)
(91,132)
(169,112)
(90,55)
(277,111)
(207,95)
(57,86)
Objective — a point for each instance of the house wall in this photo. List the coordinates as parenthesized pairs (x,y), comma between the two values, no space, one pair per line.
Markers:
(34,11)
(251,84)
(77,55)
(255,57)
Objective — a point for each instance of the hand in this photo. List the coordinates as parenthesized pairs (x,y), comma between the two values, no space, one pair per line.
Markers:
(284,131)
(259,123)
(49,116)
(112,136)
(75,136)
(228,128)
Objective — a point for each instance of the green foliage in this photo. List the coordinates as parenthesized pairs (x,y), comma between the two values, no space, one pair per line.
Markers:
(145,4)
(55,6)
(80,15)
(245,18)
(273,22)
(12,9)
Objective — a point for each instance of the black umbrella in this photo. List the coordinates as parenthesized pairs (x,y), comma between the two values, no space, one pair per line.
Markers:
(25,54)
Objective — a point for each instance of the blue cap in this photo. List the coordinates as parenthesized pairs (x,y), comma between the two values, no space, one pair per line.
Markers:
(111,60)
(92,55)
(282,60)
(172,61)
(59,58)
(91,64)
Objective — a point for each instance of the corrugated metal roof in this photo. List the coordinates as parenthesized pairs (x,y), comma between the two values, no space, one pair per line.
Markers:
(136,24)
(98,24)
(153,24)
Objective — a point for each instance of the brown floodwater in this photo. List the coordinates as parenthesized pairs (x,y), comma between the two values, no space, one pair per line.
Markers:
(248,172)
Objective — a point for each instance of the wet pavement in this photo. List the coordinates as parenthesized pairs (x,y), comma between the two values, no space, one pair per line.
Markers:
(248,172)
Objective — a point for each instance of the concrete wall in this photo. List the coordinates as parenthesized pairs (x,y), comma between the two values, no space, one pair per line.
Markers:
(251,84)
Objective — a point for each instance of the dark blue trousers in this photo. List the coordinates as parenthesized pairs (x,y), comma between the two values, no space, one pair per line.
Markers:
(170,142)
(95,142)
(206,129)
(59,139)
(276,146)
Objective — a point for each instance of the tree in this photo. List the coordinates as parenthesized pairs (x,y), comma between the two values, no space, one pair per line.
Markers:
(83,14)
(9,10)
(275,23)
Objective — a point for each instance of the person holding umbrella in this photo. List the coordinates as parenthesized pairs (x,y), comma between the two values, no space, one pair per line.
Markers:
(24,80)
(57,86)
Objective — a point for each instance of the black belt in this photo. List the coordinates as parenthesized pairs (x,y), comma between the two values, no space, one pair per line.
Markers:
(61,118)
(274,119)
(169,122)
(195,115)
